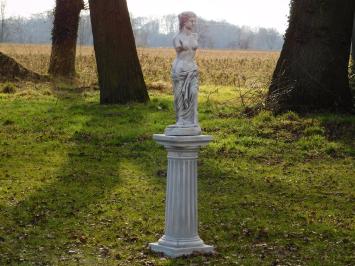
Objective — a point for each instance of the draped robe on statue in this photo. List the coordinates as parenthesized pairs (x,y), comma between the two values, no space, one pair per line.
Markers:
(185,80)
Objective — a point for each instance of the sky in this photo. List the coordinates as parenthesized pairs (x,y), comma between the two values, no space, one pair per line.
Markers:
(253,13)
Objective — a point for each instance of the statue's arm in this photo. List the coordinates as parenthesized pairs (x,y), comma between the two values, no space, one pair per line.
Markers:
(178,44)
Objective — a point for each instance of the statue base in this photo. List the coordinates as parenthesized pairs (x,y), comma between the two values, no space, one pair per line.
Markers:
(181,218)
(179,250)
(183,130)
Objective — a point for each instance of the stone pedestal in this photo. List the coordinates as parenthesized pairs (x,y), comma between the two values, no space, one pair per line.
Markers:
(181,222)
(181,130)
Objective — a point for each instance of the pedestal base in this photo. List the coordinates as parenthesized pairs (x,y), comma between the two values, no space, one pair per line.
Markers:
(175,252)
(181,218)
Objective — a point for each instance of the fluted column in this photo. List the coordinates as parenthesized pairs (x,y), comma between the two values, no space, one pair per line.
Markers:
(181,219)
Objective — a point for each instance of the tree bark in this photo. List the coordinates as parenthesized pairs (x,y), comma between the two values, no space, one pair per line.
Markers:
(312,71)
(64,38)
(352,70)
(119,71)
(353,43)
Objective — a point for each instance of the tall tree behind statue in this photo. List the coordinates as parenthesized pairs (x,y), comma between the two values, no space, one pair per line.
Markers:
(353,49)
(312,72)
(64,37)
(120,75)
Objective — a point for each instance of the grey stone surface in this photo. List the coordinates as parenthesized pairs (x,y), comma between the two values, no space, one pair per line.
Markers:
(173,252)
(185,78)
(181,215)
(184,130)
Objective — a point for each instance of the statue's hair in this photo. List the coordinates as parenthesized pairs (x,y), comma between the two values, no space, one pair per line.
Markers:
(185,16)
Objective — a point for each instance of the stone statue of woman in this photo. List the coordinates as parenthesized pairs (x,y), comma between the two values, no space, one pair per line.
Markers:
(185,79)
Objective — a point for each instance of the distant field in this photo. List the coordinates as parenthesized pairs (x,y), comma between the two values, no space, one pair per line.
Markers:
(217,67)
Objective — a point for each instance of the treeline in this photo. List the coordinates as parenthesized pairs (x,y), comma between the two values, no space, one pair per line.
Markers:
(150,32)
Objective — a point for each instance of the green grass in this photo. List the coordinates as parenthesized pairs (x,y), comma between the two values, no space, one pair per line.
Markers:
(84,184)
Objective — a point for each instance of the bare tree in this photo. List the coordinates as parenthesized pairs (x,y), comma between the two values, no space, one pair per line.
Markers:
(169,24)
(246,38)
(204,37)
(353,45)
(2,14)
(267,39)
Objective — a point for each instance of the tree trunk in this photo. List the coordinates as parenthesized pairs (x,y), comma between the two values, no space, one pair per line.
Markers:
(64,36)
(2,13)
(10,70)
(119,71)
(352,70)
(312,71)
(353,43)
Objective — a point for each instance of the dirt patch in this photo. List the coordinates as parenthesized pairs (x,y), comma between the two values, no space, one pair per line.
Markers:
(10,70)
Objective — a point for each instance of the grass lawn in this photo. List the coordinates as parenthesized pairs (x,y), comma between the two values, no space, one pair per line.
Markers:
(84,184)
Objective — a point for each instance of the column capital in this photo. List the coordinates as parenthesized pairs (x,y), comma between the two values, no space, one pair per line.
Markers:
(182,142)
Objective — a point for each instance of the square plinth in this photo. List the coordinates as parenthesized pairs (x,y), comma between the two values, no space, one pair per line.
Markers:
(174,252)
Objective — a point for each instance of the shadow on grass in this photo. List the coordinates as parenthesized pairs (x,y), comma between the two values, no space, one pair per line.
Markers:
(245,211)
(67,214)
(53,216)
(106,202)
(340,128)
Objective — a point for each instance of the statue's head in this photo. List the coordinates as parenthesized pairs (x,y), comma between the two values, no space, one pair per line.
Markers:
(184,17)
